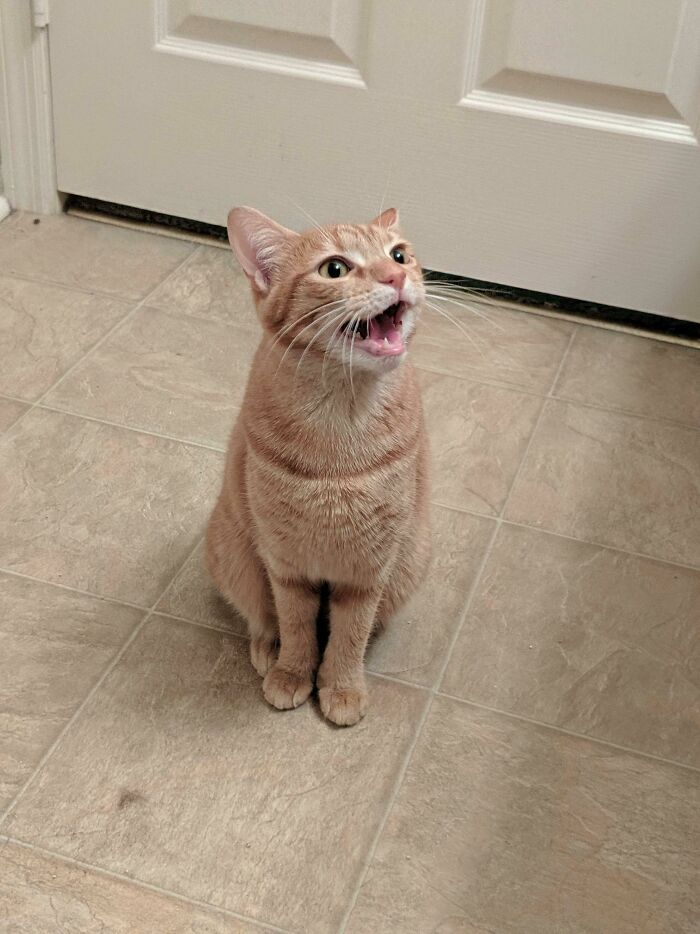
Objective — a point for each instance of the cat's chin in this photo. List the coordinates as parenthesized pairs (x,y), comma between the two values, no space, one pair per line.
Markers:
(371,363)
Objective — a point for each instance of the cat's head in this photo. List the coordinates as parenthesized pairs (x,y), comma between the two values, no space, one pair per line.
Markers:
(348,291)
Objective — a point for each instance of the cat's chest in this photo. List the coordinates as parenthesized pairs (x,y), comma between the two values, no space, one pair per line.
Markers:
(332,523)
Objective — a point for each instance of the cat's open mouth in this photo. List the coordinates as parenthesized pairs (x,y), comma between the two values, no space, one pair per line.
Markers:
(381,335)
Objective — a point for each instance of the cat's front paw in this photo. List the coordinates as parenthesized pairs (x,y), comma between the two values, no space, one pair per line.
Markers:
(343,706)
(263,654)
(286,689)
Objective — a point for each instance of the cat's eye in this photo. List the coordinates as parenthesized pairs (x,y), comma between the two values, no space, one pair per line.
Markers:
(398,255)
(334,268)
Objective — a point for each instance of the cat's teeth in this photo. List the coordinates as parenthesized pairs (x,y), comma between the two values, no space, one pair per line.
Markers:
(386,340)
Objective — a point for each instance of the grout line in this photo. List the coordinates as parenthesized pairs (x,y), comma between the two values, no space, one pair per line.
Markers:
(76,590)
(255,328)
(213,627)
(628,413)
(510,387)
(15,420)
(478,380)
(138,883)
(49,752)
(5,395)
(126,317)
(562,362)
(52,283)
(463,510)
(394,679)
(164,614)
(111,665)
(119,324)
(536,426)
(601,325)
(140,431)
(567,732)
(419,728)
(569,538)
(613,548)
(382,823)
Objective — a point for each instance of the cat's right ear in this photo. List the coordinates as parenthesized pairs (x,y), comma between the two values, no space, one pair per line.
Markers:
(259,243)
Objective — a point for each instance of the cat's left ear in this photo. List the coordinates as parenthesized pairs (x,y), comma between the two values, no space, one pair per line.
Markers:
(388,219)
(260,244)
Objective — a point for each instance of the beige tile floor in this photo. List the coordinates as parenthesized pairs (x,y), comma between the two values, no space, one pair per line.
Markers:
(531,759)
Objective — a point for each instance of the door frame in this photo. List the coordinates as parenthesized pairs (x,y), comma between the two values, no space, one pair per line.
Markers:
(26,113)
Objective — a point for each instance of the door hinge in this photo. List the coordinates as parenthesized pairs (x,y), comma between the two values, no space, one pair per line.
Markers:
(40,13)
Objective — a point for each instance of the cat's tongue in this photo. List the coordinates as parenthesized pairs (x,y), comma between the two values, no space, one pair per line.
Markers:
(383,337)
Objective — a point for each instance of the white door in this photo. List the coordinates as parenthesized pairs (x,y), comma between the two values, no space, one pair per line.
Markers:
(547,144)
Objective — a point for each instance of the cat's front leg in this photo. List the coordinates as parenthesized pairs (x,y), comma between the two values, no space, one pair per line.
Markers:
(290,680)
(342,690)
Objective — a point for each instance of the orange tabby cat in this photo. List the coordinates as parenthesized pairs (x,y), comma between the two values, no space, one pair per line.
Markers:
(326,472)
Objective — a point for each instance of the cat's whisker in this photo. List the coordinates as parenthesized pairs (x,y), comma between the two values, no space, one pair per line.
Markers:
(462,303)
(477,303)
(331,344)
(305,213)
(482,297)
(462,286)
(344,346)
(287,328)
(456,323)
(351,326)
(331,308)
(339,316)
(307,327)
(384,194)
(467,306)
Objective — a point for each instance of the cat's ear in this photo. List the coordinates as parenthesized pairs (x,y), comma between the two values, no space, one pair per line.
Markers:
(259,243)
(388,219)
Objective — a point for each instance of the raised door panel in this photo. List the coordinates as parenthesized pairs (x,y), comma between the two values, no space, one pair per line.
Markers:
(322,39)
(632,66)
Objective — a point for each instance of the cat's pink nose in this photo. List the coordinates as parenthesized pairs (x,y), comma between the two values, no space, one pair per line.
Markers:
(390,273)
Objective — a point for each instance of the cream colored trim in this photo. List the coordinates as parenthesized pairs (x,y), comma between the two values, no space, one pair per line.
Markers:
(26,124)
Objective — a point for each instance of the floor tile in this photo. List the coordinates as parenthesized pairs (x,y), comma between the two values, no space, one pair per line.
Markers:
(179,772)
(87,254)
(44,329)
(10,411)
(210,285)
(597,641)
(192,595)
(99,508)
(636,374)
(615,480)
(55,644)
(478,435)
(165,373)
(505,827)
(414,645)
(513,347)
(42,894)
